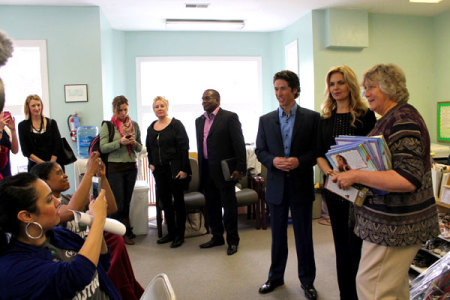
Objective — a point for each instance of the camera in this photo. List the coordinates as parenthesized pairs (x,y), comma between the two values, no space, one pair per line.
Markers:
(6,114)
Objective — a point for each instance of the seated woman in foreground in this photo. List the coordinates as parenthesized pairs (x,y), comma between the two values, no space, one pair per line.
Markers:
(121,271)
(38,259)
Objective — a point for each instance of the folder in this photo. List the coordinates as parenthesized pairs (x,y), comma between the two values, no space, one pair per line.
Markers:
(228,166)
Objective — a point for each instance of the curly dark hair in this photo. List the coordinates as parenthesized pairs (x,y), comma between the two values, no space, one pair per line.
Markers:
(43,169)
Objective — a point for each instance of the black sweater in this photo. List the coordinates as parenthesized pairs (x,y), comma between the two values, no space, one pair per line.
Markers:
(364,125)
(42,145)
(169,146)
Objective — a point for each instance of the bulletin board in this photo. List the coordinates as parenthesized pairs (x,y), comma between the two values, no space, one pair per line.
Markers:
(443,118)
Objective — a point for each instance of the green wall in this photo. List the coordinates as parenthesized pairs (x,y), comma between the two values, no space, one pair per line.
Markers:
(302,31)
(113,65)
(441,46)
(403,40)
(140,44)
(74,56)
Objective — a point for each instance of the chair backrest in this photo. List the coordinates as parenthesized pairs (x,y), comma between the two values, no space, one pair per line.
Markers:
(194,184)
(159,288)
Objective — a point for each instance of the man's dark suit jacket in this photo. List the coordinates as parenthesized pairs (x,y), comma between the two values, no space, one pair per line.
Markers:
(225,140)
(269,144)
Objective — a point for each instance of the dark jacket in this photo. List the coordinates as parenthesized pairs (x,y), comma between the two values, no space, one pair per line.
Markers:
(225,140)
(29,272)
(269,144)
(42,145)
(169,146)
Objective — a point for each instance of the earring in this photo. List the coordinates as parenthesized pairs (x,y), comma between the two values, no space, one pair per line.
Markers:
(34,237)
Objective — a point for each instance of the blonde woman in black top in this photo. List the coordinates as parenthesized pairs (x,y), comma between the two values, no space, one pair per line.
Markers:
(39,136)
(343,113)
(167,146)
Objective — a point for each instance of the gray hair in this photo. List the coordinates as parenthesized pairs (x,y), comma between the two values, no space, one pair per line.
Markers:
(391,80)
(6,48)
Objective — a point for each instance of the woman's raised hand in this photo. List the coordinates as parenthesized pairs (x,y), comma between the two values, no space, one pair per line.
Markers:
(93,164)
(98,207)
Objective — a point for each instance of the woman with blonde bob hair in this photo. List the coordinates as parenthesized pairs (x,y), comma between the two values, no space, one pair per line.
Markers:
(168,146)
(395,224)
(343,113)
(39,136)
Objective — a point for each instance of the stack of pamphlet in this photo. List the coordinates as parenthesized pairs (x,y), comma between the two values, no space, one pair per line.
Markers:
(367,153)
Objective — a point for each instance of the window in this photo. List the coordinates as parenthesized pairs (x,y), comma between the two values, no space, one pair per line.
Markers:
(25,73)
(291,56)
(182,80)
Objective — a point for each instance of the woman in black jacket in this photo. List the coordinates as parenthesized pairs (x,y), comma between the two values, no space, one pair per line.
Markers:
(167,146)
(39,136)
(343,113)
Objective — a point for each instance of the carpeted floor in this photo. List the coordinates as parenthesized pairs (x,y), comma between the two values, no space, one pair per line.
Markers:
(210,274)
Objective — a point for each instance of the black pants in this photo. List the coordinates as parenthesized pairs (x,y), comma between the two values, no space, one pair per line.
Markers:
(301,212)
(122,186)
(218,195)
(174,211)
(347,245)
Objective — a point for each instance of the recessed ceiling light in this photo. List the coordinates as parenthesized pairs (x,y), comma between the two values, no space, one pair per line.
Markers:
(425,1)
(197,5)
(207,25)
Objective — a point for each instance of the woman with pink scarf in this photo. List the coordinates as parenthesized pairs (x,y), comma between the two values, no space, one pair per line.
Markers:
(122,168)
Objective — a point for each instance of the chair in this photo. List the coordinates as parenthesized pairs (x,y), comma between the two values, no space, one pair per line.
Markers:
(159,288)
(250,198)
(193,199)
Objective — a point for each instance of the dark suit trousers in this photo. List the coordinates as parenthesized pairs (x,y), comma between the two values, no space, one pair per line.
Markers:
(346,243)
(220,195)
(301,212)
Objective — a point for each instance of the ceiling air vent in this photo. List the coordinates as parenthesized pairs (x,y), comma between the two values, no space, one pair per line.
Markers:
(197,5)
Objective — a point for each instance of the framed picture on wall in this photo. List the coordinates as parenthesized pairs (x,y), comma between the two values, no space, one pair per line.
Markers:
(75,92)
(443,119)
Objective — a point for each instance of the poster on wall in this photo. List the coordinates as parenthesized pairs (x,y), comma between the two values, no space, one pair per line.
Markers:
(76,92)
(443,118)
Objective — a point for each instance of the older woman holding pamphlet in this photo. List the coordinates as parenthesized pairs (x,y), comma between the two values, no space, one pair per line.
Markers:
(393,225)
(343,113)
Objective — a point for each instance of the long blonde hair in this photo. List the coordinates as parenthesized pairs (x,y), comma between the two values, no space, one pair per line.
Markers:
(357,106)
(26,106)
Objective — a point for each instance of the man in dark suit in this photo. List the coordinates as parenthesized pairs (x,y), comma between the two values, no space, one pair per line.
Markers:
(219,137)
(285,146)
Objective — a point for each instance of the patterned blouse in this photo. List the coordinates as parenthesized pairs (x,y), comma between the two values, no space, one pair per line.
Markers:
(402,219)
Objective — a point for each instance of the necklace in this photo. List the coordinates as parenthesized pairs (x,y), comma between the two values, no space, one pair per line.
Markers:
(40,128)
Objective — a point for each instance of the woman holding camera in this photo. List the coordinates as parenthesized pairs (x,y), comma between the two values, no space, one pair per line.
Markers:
(38,259)
(122,168)
(9,141)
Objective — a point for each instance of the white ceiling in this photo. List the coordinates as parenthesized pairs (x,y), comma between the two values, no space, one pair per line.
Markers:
(259,15)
